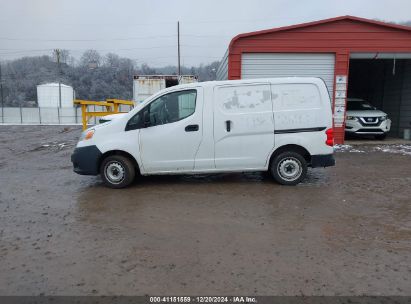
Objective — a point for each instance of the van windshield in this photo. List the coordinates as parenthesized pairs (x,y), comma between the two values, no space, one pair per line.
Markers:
(359,105)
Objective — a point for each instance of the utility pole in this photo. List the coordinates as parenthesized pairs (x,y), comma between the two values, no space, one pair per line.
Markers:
(178,47)
(57,51)
(2,97)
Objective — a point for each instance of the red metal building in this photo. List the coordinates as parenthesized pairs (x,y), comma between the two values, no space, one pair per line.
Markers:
(302,49)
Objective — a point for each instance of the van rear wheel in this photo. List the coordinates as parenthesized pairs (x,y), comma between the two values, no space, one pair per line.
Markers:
(288,168)
(117,171)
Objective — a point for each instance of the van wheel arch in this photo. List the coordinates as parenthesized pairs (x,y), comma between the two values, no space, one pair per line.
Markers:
(122,153)
(291,148)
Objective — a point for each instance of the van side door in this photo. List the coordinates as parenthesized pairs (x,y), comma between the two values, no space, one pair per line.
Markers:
(243,126)
(171,131)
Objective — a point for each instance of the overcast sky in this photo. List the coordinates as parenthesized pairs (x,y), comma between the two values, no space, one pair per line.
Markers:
(146,30)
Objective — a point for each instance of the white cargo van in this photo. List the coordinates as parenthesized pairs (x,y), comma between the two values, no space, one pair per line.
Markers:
(282,125)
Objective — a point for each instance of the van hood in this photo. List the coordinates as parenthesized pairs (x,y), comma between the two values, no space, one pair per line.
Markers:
(110,118)
(113,116)
(366,113)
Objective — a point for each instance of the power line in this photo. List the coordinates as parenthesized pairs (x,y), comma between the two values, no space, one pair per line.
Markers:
(17,51)
(20,51)
(202,46)
(166,22)
(25,51)
(114,39)
(87,40)
(207,36)
(126,49)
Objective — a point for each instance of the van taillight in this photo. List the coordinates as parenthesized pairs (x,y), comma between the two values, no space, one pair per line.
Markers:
(330,137)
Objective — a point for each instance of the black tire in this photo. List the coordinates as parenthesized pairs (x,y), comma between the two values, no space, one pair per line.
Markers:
(117,171)
(295,161)
(381,136)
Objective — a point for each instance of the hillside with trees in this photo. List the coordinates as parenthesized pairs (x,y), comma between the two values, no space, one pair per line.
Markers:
(93,76)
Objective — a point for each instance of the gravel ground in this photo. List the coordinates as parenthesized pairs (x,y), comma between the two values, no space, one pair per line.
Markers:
(345,231)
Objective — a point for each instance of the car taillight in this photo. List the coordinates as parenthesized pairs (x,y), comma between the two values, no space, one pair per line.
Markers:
(330,137)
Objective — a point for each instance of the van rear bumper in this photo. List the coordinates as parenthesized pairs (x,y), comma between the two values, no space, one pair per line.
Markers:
(326,160)
(85,160)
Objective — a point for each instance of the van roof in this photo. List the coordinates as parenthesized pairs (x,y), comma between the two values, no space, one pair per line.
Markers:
(275,80)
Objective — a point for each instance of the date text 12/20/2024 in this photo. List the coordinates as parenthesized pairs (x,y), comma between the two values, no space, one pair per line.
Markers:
(203,299)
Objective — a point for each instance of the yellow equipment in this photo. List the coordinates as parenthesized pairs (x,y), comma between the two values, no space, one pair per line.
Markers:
(112,107)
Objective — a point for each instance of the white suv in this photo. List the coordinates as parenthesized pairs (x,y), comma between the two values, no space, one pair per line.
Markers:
(365,119)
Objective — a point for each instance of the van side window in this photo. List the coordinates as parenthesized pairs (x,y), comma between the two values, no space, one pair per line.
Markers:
(165,109)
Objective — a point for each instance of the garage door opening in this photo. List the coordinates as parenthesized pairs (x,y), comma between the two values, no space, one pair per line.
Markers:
(384,81)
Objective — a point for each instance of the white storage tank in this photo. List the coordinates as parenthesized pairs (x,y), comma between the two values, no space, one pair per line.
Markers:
(48,95)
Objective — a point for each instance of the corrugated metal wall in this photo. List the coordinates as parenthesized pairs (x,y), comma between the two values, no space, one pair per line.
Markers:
(391,102)
(262,65)
(222,71)
(397,95)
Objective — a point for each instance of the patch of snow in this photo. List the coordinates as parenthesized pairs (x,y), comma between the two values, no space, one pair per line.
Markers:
(396,149)
(342,148)
(356,151)
(403,149)
(56,146)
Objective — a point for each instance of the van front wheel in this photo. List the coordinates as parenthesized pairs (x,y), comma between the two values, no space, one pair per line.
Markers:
(117,171)
(288,168)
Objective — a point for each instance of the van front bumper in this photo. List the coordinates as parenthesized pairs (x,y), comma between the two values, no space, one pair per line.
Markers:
(86,160)
(325,160)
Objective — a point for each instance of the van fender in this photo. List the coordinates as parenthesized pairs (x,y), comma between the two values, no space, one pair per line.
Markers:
(131,148)
(281,140)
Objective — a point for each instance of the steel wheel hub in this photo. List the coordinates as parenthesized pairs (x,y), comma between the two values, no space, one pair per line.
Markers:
(290,169)
(114,172)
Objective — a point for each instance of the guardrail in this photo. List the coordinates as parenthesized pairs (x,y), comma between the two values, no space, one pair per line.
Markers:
(112,106)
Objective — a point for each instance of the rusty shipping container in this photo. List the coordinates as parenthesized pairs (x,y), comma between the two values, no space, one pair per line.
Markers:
(146,85)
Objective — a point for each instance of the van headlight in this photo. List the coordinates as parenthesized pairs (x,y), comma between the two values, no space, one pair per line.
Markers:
(88,134)
(352,118)
(382,118)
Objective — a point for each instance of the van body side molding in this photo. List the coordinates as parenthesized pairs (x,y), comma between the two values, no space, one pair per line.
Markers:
(299,130)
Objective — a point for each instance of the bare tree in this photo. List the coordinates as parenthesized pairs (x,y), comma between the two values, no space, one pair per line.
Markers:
(146,70)
(112,60)
(90,59)
(64,56)
(110,77)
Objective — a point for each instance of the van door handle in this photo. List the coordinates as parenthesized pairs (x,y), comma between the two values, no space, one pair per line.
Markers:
(228,125)
(192,128)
